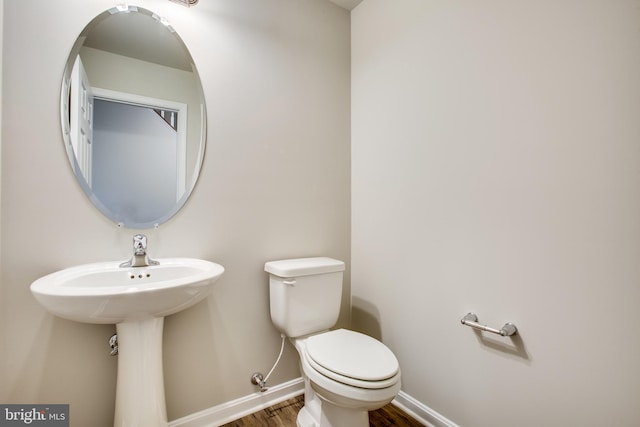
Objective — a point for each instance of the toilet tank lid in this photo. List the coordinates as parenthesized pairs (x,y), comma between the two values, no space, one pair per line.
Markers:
(303,266)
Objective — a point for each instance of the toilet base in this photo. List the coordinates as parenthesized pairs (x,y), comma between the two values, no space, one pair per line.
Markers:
(335,416)
(332,416)
(305,419)
(318,411)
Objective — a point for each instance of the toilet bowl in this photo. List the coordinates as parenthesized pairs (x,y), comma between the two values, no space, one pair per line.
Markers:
(346,373)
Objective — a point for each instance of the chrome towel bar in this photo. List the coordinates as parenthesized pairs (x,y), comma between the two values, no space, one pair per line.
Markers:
(472,320)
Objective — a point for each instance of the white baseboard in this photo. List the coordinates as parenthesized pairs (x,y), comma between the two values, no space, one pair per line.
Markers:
(421,412)
(235,409)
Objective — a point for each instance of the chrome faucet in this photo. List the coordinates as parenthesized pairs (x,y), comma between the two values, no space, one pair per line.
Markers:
(140,257)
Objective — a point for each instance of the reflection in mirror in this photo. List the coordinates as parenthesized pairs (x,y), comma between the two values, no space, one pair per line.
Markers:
(133,117)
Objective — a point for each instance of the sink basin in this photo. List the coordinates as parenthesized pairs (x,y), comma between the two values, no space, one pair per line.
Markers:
(136,299)
(106,293)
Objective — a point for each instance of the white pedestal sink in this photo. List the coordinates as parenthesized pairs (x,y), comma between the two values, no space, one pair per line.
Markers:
(136,299)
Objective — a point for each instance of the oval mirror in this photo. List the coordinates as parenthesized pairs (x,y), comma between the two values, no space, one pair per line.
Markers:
(133,117)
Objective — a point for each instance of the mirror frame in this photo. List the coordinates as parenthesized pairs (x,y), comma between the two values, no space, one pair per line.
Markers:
(191,181)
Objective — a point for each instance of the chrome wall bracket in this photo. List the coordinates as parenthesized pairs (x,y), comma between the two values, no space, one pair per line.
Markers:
(471,320)
(113,345)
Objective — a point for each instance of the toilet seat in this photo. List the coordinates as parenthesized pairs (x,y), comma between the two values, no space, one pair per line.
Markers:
(353,358)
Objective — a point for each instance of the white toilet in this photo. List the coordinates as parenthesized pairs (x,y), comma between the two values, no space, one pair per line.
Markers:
(346,373)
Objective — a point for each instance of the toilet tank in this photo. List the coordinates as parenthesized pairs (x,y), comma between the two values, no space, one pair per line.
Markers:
(305,294)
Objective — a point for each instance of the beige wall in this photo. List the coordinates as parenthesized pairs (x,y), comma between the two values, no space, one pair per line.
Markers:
(496,169)
(275,184)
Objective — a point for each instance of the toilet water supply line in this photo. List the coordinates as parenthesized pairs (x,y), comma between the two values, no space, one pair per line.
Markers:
(260,380)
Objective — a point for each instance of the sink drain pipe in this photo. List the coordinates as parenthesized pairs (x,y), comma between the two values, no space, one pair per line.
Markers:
(260,380)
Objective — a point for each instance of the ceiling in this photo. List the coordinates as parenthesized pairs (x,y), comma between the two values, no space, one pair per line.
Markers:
(347,4)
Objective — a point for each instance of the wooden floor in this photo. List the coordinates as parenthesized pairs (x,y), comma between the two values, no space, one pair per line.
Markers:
(284,415)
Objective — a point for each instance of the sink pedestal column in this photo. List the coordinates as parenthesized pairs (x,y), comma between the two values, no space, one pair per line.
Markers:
(140,400)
